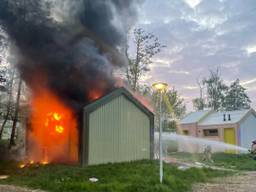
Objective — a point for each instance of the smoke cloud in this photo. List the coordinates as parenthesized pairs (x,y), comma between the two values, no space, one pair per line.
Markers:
(69,46)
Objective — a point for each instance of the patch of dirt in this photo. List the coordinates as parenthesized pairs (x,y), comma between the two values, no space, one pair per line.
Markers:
(11,188)
(242,182)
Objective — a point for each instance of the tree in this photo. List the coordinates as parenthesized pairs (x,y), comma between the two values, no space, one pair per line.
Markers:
(173,108)
(216,90)
(2,79)
(7,105)
(23,11)
(146,46)
(174,104)
(199,103)
(221,96)
(16,111)
(236,98)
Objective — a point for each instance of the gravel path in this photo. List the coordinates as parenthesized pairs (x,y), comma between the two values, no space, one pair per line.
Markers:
(243,182)
(10,188)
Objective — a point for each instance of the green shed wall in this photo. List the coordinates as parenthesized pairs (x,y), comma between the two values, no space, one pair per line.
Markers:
(118,131)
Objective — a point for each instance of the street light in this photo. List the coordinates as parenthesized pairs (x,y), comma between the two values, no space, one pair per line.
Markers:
(160,87)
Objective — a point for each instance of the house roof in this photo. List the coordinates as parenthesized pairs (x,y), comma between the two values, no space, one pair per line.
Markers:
(217,118)
(209,117)
(195,117)
(112,95)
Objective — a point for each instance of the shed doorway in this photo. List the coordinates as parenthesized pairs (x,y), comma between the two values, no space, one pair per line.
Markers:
(230,138)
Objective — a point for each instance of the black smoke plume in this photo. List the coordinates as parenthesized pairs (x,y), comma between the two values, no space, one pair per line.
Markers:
(69,46)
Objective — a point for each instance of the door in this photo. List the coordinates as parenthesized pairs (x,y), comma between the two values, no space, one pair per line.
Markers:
(230,138)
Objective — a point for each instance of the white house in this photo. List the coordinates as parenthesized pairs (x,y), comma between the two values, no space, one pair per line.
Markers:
(232,127)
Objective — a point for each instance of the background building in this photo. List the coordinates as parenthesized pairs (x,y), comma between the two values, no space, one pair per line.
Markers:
(232,127)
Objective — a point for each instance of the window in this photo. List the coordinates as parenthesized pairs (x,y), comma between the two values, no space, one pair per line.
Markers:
(211,132)
(185,132)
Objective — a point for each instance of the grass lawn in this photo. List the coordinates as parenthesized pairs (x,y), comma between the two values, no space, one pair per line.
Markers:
(239,162)
(139,176)
(232,161)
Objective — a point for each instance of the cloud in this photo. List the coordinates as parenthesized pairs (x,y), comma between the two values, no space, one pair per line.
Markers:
(251,49)
(201,35)
(190,87)
(179,72)
(193,3)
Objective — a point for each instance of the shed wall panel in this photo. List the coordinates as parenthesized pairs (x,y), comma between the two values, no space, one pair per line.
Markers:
(118,131)
(248,131)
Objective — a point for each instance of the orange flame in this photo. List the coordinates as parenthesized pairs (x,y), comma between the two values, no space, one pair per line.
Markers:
(95,94)
(59,129)
(54,120)
(21,166)
(53,136)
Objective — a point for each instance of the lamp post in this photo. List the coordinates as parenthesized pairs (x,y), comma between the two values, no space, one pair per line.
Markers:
(160,87)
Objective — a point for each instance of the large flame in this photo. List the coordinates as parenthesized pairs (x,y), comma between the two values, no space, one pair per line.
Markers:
(53,136)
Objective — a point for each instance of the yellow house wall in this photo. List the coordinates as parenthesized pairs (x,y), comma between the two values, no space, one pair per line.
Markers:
(198,131)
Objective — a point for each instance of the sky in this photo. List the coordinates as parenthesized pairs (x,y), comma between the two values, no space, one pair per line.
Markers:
(202,35)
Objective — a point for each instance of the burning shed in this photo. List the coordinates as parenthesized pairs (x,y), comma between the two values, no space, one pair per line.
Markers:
(116,128)
(66,47)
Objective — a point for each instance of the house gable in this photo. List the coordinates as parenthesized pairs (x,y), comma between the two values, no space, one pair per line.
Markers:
(117,92)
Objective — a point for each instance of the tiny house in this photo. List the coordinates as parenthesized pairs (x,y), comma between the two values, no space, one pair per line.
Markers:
(116,128)
(232,127)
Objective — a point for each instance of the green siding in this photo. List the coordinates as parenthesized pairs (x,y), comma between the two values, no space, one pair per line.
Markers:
(118,131)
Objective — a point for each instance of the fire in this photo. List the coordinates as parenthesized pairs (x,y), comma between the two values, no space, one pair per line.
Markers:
(32,163)
(59,129)
(95,94)
(144,101)
(22,165)
(55,121)
(44,162)
(53,135)
(57,116)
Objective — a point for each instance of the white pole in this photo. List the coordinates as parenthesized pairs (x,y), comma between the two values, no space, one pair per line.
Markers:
(160,140)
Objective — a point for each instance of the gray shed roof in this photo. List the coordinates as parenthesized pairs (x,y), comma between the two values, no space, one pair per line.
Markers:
(195,117)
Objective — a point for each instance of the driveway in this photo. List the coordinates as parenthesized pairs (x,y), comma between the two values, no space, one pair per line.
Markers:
(10,188)
(242,182)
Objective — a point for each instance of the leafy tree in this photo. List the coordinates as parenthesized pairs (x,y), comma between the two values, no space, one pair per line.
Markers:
(236,98)
(173,108)
(199,104)
(174,104)
(145,90)
(170,125)
(221,96)
(216,90)
(146,46)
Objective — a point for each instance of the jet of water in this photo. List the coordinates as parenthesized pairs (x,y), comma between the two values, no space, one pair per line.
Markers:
(201,143)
